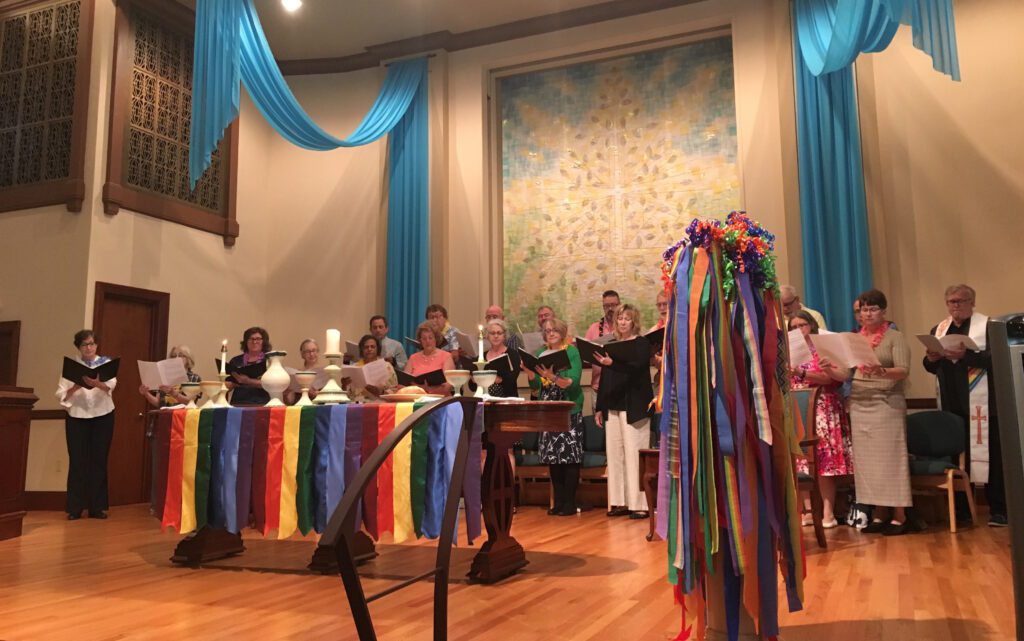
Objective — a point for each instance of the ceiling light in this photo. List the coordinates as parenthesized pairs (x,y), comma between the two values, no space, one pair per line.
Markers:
(291,5)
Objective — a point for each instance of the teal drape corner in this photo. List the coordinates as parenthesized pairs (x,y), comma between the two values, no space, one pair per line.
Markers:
(408,259)
(828,35)
(231,48)
(833,212)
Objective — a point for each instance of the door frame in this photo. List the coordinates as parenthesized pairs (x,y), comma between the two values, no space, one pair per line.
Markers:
(161,303)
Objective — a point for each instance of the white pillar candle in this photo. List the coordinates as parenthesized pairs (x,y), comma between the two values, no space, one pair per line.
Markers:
(333,345)
(480,348)
(224,357)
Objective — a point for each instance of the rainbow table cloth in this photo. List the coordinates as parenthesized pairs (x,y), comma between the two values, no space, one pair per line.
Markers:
(284,469)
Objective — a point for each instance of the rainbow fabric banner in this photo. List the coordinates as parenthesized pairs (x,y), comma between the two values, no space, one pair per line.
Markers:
(285,469)
(728,431)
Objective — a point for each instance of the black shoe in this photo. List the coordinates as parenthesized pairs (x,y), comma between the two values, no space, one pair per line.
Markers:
(566,512)
(618,511)
(552,511)
(998,520)
(639,514)
(100,514)
(74,517)
(894,529)
(875,527)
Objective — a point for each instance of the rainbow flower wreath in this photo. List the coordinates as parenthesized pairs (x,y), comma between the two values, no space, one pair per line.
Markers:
(727,431)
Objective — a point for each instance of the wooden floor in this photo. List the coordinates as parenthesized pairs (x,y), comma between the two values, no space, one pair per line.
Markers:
(589,577)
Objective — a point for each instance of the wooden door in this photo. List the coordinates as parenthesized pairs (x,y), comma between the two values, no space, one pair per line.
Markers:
(130,323)
(10,332)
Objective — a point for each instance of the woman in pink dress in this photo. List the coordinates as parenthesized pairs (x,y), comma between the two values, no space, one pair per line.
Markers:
(831,424)
(431,358)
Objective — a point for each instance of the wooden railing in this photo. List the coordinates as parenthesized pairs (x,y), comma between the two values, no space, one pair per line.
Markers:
(341,532)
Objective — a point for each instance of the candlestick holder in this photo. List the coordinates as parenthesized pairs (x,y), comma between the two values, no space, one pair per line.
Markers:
(222,398)
(211,390)
(332,393)
(191,391)
(484,378)
(305,380)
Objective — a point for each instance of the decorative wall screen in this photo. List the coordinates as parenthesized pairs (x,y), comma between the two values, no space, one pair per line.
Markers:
(40,153)
(604,164)
(152,104)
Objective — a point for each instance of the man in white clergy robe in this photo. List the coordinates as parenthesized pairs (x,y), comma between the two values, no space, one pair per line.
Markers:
(392,349)
(965,388)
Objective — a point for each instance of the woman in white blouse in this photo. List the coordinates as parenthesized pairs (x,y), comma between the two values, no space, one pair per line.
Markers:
(89,429)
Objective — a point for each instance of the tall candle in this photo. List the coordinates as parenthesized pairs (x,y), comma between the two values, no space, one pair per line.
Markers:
(224,357)
(333,345)
(480,347)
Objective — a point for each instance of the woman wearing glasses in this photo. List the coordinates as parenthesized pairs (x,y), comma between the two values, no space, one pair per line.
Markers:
(561,451)
(878,413)
(248,391)
(89,429)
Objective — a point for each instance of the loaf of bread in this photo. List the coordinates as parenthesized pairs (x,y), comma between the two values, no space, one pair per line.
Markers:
(412,389)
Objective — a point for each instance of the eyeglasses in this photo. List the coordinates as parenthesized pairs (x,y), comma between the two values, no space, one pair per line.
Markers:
(958,301)
(552,331)
(496,332)
(873,309)
(256,338)
(89,344)
(310,351)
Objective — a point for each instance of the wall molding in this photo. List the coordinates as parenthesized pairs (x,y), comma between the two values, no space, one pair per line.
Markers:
(375,55)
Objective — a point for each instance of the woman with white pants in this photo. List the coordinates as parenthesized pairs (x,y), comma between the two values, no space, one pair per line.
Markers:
(621,408)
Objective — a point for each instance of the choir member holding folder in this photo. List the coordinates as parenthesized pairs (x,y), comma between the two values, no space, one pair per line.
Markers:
(622,401)
(501,359)
(85,391)
(168,392)
(247,390)
(555,376)
(430,359)
(378,377)
(878,413)
(828,419)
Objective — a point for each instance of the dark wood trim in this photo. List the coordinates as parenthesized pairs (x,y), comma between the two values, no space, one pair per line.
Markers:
(48,415)
(9,369)
(922,404)
(374,55)
(116,194)
(53,501)
(162,301)
(69,191)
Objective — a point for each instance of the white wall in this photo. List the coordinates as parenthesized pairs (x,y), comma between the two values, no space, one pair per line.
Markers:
(942,166)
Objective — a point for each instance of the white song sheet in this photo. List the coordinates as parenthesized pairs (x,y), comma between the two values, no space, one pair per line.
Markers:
(845,349)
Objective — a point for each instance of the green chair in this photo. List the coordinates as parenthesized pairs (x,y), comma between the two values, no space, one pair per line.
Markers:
(935,442)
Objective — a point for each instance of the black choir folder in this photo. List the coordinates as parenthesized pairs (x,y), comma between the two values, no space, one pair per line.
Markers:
(255,370)
(557,360)
(656,337)
(502,365)
(617,350)
(433,379)
(75,371)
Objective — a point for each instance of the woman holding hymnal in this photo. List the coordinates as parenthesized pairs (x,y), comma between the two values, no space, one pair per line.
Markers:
(370,352)
(502,360)
(621,407)
(561,451)
(89,426)
(168,396)
(430,358)
(246,387)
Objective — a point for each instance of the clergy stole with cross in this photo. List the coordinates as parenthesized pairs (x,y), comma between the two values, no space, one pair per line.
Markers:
(977,382)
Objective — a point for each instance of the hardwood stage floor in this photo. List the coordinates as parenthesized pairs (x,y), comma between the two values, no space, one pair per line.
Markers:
(589,577)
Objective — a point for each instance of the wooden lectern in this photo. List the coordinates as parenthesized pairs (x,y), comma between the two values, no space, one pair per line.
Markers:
(15,413)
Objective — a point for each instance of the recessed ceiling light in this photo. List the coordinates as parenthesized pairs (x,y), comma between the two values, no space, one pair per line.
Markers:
(291,5)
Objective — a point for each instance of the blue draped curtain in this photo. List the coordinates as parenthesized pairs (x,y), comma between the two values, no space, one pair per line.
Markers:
(231,48)
(828,36)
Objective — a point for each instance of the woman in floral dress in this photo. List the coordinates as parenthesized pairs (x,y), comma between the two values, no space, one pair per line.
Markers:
(831,424)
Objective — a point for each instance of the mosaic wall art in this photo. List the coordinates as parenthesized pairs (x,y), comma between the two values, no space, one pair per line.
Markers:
(603,165)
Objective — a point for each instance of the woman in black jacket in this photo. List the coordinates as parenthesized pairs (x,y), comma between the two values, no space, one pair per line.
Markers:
(621,408)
